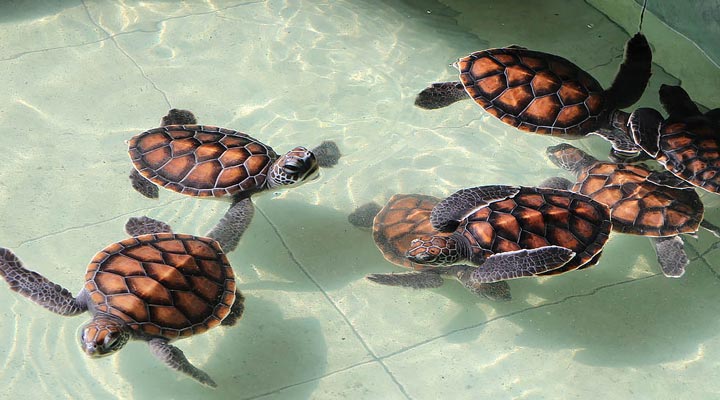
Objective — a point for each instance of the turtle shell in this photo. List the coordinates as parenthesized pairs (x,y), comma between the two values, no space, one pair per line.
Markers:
(690,149)
(201,160)
(639,206)
(534,91)
(539,217)
(166,285)
(404,218)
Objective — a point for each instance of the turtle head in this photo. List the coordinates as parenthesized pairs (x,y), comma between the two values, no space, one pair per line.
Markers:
(294,168)
(569,157)
(677,102)
(434,250)
(103,336)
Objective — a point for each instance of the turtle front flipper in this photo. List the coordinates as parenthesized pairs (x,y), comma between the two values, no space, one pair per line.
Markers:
(634,73)
(439,95)
(136,226)
(38,288)
(236,311)
(556,182)
(327,153)
(143,186)
(671,255)
(518,264)
(175,359)
(496,291)
(447,214)
(623,146)
(414,279)
(644,126)
(233,224)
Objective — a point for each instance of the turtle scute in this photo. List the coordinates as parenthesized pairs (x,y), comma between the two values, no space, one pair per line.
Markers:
(164,284)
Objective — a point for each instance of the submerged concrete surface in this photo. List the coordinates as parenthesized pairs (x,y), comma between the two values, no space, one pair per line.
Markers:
(82,77)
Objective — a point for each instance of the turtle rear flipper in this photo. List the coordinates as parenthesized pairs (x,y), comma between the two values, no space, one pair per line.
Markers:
(38,288)
(236,311)
(671,255)
(518,264)
(644,126)
(327,153)
(414,279)
(634,73)
(136,226)
(175,359)
(233,224)
(363,216)
(178,117)
(143,186)
(439,95)
(447,214)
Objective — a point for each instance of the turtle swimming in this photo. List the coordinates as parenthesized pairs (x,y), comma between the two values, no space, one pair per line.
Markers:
(156,286)
(546,94)
(403,218)
(686,143)
(212,162)
(510,232)
(642,201)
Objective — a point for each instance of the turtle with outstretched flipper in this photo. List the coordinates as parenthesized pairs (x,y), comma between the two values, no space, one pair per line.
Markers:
(642,201)
(546,94)
(686,143)
(156,286)
(403,218)
(510,232)
(211,162)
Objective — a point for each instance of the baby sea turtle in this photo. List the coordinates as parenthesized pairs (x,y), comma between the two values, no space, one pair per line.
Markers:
(207,161)
(156,286)
(687,143)
(642,201)
(402,219)
(547,94)
(521,226)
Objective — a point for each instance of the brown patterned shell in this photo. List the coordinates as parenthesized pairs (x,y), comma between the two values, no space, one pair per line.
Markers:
(534,91)
(164,284)
(639,206)
(691,151)
(201,160)
(404,218)
(538,217)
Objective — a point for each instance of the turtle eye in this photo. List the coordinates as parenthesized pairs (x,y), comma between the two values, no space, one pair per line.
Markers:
(291,169)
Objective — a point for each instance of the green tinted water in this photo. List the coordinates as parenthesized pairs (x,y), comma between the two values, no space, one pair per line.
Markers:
(80,78)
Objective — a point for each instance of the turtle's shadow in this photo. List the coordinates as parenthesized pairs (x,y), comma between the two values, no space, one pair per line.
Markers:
(263,353)
(630,321)
(332,253)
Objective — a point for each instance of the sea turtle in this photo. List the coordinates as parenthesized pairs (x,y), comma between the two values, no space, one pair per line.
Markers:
(155,286)
(547,94)
(403,218)
(207,161)
(687,143)
(499,222)
(642,201)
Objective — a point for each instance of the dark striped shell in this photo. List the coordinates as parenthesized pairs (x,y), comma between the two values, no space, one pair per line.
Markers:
(164,284)
(201,160)
(639,206)
(538,217)
(534,91)
(691,151)
(404,218)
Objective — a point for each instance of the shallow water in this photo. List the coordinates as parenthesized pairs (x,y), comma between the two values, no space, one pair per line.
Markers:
(80,78)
